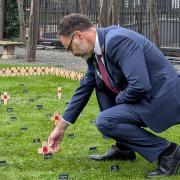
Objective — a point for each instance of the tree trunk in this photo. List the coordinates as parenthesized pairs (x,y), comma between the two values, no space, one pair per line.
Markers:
(83,7)
(22,21)
(33,31)
(1,18)
(154,24)
(114,12)
(105,17)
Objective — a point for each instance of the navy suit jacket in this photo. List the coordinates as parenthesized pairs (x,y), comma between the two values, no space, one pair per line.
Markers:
(146,78)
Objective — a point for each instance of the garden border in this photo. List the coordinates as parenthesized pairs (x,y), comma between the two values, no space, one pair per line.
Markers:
(37,70)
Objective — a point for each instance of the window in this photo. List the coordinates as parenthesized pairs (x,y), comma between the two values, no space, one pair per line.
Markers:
(175,4)
(136,3)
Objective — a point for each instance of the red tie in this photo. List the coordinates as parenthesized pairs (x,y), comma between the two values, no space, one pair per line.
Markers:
(104,75)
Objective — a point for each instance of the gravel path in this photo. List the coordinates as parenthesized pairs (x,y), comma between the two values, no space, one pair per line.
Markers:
(53,57)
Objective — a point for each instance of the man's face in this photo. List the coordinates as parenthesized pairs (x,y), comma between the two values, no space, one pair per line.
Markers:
(77,44)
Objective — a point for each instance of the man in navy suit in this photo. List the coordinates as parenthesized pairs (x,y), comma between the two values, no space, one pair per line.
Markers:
(136,87)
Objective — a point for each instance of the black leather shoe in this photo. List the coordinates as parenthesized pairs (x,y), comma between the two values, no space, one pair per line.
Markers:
(167,165)
(115,154)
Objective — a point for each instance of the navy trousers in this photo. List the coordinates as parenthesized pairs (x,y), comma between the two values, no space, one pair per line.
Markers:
(123,124)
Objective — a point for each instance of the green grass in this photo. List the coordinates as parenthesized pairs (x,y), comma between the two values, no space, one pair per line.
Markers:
(23,161)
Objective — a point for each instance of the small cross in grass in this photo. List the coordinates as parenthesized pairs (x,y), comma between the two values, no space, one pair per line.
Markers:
(5,98)
(59,93)
(56,118)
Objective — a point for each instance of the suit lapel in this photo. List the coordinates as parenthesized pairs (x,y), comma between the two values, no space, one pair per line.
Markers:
(101,35)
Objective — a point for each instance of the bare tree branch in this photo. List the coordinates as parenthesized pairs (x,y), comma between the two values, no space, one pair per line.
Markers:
(83,7)
(105,17)
(114,12)
(154,24)
(33,31)
(22,21)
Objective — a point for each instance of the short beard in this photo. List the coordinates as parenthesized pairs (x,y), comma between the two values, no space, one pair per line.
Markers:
(86,57)
(84,48)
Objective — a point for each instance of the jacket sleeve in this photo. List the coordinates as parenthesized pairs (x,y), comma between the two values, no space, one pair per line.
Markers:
(80,97)
(129,56)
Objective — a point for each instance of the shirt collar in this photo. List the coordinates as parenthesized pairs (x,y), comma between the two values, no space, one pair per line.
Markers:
(97,48)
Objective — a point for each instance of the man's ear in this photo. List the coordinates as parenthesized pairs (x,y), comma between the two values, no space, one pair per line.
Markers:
(79,34)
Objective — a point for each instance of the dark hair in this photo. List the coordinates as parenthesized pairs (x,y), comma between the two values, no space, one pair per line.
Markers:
(74,22)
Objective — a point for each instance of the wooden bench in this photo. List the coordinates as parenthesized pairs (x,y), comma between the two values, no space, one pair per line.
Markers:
(9,49)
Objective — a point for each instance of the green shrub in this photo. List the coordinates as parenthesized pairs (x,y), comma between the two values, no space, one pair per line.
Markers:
(11,20)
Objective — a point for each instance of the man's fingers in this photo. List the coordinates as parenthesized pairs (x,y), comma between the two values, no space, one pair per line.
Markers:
(50,141)
(58,148)
(55,148)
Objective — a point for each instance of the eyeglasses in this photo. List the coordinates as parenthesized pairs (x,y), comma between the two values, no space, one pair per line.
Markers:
(70,44)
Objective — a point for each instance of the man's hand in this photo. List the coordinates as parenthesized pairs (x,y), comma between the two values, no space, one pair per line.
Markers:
(57,136)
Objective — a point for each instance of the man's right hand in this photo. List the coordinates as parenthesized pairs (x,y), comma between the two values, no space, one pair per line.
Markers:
(56,136)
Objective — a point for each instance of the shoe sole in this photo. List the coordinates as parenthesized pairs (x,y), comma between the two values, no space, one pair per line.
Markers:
(166,175)
(132,160)
(176,169)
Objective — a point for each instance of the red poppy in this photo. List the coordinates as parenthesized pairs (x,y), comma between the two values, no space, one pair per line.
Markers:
(57,117)
(45,149)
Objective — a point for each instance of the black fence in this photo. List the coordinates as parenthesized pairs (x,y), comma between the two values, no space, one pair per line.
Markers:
(135,15)
(51,11)
(132,14)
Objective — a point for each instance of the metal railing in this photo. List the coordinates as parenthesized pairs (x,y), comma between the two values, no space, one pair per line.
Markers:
(132,14)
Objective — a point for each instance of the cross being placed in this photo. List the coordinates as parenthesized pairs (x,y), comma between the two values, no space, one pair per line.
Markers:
(5,98)
(59,93)
(44,149)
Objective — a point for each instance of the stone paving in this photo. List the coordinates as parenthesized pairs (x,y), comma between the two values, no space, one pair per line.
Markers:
(60,58)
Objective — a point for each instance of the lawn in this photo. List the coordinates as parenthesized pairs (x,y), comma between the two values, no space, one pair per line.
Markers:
(20,153)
